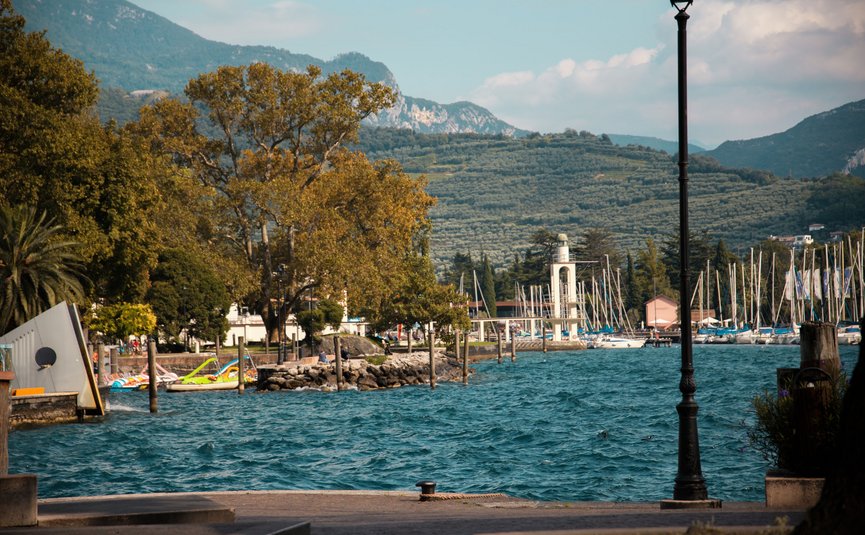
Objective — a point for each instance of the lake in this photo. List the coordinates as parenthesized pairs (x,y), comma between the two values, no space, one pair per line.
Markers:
(584,425)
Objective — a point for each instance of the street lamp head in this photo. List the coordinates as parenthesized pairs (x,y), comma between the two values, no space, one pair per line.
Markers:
(681,5)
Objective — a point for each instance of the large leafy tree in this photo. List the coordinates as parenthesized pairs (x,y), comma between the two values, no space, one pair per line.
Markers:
(418,298)
(38,269)
(267,146)
(94,181)
(187,296)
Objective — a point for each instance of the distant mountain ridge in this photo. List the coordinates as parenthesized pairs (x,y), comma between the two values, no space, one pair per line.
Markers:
(670,147)
(134,49)
(825,143)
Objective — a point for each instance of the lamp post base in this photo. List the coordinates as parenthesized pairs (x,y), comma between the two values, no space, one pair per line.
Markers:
(691,504)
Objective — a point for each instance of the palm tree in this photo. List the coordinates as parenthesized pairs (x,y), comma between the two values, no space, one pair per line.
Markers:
(38,268)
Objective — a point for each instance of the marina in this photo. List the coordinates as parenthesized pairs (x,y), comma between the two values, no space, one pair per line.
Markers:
(585,425)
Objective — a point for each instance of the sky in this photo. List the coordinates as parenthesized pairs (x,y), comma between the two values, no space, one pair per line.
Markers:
(755,67)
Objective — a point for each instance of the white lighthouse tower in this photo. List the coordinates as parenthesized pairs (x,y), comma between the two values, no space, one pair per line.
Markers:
(563,290)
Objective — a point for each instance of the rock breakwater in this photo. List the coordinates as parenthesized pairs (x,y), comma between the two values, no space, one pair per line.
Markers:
(395,372)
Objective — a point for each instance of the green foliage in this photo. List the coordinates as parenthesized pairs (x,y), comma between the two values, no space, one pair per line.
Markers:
(837,201)
(282,188)
(818,146)
(774,432)
(499,191)
(487,284)
(38,269)
(119,321)
(187,295)
(95,182)
(417,297)
(312,322)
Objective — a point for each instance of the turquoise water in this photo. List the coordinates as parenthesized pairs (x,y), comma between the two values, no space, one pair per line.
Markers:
(531,429)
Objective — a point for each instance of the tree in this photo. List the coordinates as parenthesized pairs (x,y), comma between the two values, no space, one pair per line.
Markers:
(186,295)
(282,187)
(699,250)
(419,298)
(651,274)
(119,321)
(38,269)
(460,271)
(488,286)
(326,312)
(94,181)
(598,245)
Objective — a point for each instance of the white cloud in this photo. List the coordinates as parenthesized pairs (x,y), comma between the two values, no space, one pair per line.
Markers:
(754,68)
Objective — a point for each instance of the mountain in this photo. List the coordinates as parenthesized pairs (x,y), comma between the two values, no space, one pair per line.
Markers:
(826,143)
(134,49)
(670,147)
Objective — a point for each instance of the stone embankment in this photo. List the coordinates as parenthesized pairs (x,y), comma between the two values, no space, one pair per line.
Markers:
(396,371)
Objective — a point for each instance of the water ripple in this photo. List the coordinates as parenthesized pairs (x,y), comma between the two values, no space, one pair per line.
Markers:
(591,425)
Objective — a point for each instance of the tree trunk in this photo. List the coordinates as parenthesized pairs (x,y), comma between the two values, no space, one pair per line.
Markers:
(841,508)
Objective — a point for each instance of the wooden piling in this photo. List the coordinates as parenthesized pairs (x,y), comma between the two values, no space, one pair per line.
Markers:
(337,356)
(153,376)
(819,347)
(112,361)
(432,362)
(100,362)
(241,382)
(499,344)
(544,336)
(812,393)
(513,348)
(465,358)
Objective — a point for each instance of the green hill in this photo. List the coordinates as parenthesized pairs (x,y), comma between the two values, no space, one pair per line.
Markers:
(826,143)
(495,191)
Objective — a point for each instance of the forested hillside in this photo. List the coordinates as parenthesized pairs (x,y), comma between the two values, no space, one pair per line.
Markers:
(826,143)
(495,191)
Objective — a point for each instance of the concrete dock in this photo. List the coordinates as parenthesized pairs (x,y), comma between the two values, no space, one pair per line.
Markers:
(371,512)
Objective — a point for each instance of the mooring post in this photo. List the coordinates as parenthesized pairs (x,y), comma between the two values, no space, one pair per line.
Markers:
(544,336)
(457,344)
(812,391)
(5,410)
(513,348)
(465,358)
(100,362)
(499,344)
(112,360)
(153,377)
(819,347)
(337,356)
(241,380)
(432,362)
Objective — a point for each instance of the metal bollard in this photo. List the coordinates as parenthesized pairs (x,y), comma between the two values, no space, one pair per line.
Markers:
(427,488)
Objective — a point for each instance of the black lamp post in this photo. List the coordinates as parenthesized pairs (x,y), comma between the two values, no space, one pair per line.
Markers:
(690,489)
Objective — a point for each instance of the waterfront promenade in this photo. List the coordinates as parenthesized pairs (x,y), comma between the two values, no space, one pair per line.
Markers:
(384,512)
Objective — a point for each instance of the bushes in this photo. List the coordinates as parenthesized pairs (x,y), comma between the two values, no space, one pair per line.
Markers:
(784,434)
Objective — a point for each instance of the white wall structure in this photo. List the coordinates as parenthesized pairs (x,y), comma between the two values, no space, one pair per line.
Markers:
(564,296)
(50,352)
